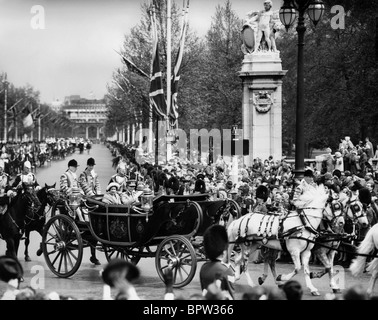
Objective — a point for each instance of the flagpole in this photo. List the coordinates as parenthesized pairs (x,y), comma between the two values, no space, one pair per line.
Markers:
(5,108)
(169,63)
(39,123)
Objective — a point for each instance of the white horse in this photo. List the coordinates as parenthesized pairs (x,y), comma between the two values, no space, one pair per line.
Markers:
(367,247)
(255,229)
(341,206)
(331,230)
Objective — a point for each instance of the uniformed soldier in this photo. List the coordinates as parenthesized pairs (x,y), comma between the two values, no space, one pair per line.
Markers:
(5,189)
(27,177)
(88,180)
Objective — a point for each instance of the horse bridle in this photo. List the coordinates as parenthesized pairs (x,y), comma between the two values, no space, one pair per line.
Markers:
(355,208)
(335,205)
(32,199)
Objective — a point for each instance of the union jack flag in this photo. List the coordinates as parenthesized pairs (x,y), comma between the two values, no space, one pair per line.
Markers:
(157,98)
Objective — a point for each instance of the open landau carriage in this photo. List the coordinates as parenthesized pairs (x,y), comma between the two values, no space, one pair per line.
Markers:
(167,227)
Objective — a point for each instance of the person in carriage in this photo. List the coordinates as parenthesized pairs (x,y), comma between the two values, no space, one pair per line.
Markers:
(112,195)
(69,180)
(120,177)
(89,181)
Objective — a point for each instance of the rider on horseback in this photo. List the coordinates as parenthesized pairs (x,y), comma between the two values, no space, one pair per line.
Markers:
(4,189)
(306,185)
(27,177)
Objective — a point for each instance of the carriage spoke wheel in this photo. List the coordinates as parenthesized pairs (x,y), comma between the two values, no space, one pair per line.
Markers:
(177,253)
(62,246)
(122,253)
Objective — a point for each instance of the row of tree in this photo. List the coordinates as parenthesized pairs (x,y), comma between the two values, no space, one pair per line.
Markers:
(25,113)
(340,68)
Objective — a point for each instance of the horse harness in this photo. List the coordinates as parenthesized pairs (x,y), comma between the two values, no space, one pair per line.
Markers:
(281,236)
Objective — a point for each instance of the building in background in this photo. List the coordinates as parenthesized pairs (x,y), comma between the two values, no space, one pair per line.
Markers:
(88,116)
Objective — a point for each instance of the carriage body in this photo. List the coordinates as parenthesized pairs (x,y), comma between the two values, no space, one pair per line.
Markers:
(171,232)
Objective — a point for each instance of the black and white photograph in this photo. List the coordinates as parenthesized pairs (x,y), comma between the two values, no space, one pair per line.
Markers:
(188,154)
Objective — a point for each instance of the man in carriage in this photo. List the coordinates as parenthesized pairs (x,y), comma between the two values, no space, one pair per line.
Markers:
(88,180)
(69,180)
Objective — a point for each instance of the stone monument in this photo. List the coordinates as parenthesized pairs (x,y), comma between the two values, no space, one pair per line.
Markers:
(262,76)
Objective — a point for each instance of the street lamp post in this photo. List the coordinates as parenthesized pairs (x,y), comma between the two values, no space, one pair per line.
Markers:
(5,81)
(288,13)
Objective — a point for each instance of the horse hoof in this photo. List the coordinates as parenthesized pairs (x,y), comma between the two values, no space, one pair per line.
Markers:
(315,293)
(39,252)
(279,278)
(336,290)
(27,259)
(261,281)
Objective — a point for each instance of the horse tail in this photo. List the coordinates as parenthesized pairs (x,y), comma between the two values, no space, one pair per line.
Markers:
(366,246)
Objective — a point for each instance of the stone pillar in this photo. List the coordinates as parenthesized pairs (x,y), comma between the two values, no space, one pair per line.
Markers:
(97,133)
(262,76)
(86,132)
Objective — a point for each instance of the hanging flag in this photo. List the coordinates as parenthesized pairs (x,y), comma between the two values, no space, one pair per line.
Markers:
(173,113)
(157,99)
(133,68)
(27,121)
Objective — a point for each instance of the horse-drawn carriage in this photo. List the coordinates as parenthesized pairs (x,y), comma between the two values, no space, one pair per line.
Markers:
(169,228)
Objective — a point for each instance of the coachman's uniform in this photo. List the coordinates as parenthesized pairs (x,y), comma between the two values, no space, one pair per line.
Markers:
(90,183)
(68,181)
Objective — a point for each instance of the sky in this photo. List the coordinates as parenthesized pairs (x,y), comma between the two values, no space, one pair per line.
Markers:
(67,47)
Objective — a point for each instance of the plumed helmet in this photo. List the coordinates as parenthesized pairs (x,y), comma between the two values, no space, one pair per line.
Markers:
(27,164)
(365,196)
(262,192)
(215,241)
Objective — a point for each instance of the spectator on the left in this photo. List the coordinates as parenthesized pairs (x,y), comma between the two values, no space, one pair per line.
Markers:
(11,272)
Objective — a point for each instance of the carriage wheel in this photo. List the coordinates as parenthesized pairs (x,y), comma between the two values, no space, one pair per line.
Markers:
(122,253)
(178,253)
(62,246)
(236,208)
(59,208)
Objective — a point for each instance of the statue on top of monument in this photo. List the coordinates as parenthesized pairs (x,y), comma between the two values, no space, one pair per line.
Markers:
(260,28)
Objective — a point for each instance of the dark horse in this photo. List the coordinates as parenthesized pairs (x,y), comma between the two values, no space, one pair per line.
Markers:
(35,222)
(12,222)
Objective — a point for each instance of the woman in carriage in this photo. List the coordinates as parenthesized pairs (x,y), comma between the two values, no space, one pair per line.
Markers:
(112,194)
